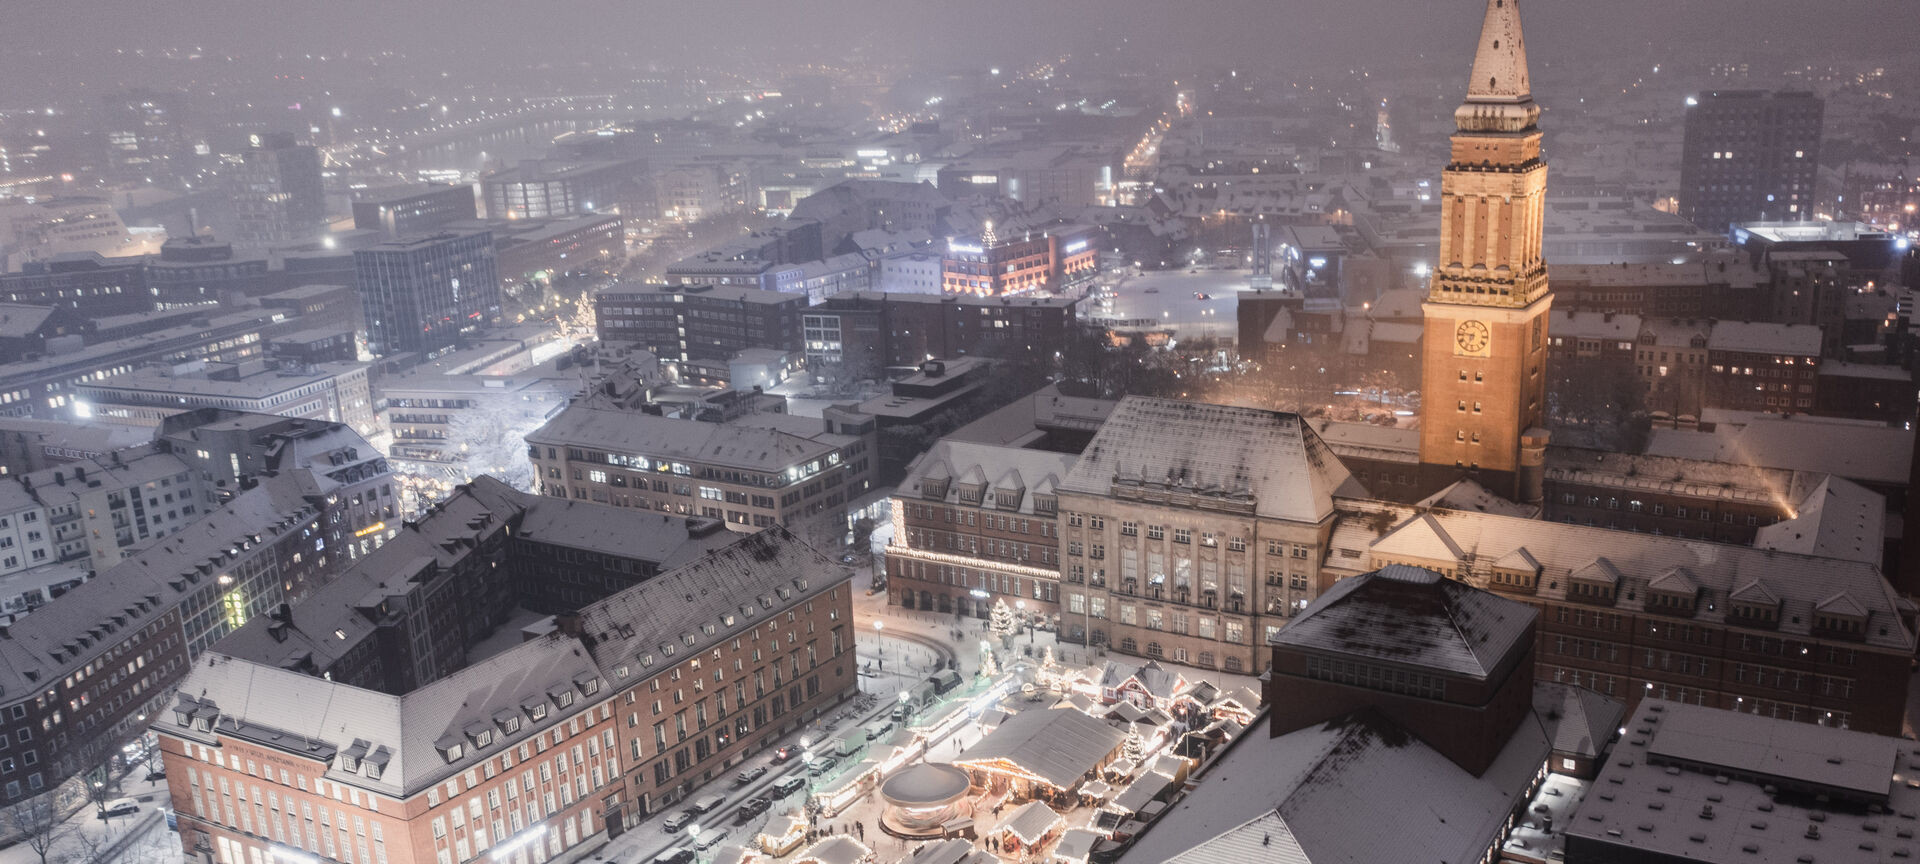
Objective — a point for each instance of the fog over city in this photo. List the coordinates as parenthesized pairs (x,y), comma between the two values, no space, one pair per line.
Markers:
(978,432)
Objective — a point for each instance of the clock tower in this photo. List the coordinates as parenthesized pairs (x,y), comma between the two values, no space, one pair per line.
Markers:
(1483,372)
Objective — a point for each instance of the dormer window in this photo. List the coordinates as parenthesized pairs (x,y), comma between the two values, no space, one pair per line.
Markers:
(374,769)
(349,763)
(537,711)
(564,698)
(455,752)
(687,638)
(589,685)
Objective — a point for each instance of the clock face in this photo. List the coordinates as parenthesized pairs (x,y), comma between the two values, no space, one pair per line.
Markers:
(1472,337)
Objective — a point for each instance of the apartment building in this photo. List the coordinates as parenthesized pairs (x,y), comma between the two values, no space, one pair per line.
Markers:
(554,744)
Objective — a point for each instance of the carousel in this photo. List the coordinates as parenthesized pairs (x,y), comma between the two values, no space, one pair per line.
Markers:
(922,799)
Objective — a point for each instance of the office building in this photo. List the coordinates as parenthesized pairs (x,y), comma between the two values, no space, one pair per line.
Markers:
(699,322)
(276,192)
(413,210)
(1009,263)
(750,476)
(423,294)
(1749,156)
(332,392)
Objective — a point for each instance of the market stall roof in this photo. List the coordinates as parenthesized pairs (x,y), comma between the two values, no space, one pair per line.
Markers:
(838,849)
(1096,789)
(1032,821)
(1058,746)
(1075,845)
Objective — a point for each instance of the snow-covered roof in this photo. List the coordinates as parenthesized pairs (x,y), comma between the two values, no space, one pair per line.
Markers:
(1752,337)
(1270,461)
(1578,720)
(1029,472)
(1721,569)
(1868,453)
(1356,789)
(1700,784)
(1030,821)
(1059,746)
(1838,519)
(1414,616)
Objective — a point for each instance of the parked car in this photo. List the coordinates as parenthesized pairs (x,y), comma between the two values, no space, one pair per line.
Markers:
(822,765)
(781,755)
(709,840)
(750,775)
(153,776)
(674,856)
(120,807)
(754,807)
(678,821)
(789,785)
(706,804)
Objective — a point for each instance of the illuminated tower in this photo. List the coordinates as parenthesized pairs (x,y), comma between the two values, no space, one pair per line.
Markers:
(1483,392)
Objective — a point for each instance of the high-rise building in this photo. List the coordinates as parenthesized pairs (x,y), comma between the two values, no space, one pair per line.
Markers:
(422,293)
(276,192)
(415,209)
(1483,376)
(1749,155)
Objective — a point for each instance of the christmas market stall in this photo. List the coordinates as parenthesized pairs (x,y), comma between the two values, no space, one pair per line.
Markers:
(1029,827)
(1042,753)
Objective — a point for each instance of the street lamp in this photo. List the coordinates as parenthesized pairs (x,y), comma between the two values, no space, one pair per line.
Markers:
(878,647)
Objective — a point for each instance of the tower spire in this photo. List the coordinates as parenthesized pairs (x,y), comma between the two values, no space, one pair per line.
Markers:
(1499,93)
(1500,63)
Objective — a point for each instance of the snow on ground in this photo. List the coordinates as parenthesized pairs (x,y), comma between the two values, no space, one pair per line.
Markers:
(1166,299)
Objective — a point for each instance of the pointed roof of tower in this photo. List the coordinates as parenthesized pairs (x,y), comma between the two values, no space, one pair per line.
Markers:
(1500,63)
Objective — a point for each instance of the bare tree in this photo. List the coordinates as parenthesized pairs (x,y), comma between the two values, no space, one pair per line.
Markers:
(37,824)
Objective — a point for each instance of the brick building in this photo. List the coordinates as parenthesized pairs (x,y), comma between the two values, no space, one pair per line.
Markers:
(1803,637)
(553,744)
(1763,367)
(975,524)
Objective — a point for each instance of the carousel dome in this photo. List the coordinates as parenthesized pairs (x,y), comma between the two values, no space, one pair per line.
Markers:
(927,784)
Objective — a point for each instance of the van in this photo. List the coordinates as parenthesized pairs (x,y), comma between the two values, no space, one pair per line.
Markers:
(944,681)
(707,804)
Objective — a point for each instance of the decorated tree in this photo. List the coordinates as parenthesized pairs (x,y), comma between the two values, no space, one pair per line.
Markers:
(989,668)
(1136,745)
(1002,623)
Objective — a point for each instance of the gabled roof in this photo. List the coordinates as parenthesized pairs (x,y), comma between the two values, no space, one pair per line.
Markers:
(1413,616)
(1755,591)
(1059,745)
(1419,537)
(1268,459)
(1517,559)
(1014,466)
(1678,580)
(1841,604)
(1599,571)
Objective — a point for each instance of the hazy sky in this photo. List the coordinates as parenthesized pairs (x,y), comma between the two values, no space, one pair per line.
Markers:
(1344,32)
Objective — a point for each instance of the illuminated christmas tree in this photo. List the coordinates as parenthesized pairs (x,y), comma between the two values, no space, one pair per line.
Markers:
(1002,624)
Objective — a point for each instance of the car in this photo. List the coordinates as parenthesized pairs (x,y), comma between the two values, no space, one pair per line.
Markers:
(753,807)
(156,775)
(822,765)
(750,775)
(783,754)
(678,821)
(788,785)
(706,804)
(675,856)
(709,840)
(119,807)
